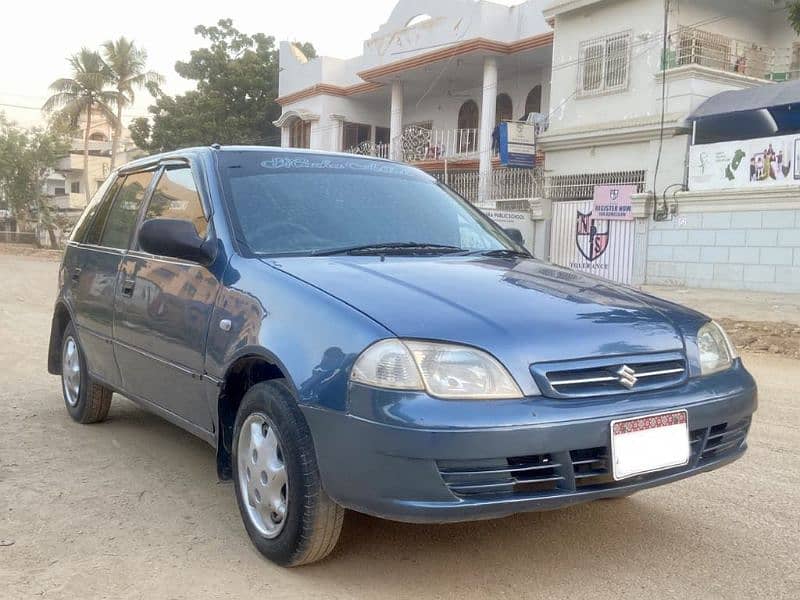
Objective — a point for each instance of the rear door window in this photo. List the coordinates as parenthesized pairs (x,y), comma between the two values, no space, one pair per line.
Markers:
(125,210)
(90,227)
(176,197)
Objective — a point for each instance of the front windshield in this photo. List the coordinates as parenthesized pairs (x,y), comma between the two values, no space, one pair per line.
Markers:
(300,204)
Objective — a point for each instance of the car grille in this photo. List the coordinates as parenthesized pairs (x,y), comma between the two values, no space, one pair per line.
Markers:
(610,376)
(575,470)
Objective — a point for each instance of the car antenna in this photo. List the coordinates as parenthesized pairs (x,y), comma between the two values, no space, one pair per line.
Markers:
(216,146)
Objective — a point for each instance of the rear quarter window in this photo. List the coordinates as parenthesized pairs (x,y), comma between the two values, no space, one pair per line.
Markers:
(104,195)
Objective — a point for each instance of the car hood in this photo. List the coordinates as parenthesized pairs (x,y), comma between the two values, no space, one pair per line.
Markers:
(522,311)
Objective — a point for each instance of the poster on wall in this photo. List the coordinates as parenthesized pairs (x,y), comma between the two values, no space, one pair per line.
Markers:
(613,202)
(745,164)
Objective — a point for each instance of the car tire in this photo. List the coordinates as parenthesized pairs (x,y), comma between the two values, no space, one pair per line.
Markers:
(86,400)
(288,516)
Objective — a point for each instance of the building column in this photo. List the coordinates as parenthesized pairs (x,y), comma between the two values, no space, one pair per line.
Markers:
(396,122)
(285,136)
(488,108)
(337,133)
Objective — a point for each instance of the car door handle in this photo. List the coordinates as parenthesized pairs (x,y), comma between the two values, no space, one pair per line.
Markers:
(127,287)
(76,274)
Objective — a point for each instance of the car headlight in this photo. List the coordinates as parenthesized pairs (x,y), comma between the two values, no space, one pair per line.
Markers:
(443,370)
(717,352)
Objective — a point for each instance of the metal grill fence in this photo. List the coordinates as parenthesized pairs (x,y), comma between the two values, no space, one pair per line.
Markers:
(505,184)
(581,186)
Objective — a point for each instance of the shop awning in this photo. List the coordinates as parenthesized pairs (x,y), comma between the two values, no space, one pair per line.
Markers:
(757,98)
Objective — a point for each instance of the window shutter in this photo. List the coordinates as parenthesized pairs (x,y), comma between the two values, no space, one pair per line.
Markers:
(617,53)
(592,63)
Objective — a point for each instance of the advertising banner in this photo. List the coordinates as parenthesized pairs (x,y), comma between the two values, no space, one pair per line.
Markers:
(745,164)
(517,144)
(613,202)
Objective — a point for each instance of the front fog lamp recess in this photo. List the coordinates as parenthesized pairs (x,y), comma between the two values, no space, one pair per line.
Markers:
(443,370)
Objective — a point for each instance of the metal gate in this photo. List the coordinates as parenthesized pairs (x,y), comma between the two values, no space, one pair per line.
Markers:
(602,248)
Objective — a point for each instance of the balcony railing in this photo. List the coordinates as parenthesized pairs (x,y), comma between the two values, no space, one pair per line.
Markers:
(692,46)
(370,149)
(421,143)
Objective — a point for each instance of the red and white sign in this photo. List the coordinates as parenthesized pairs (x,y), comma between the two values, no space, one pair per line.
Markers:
(648,444)
(613,202)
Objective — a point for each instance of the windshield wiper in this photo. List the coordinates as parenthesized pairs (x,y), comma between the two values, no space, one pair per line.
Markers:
(410,247)
(502,253)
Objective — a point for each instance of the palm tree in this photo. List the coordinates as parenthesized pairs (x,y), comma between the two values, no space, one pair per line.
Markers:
(85,93)
(128,63)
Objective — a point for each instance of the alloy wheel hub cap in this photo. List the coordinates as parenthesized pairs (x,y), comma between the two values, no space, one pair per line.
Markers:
(71,372)
(262,475)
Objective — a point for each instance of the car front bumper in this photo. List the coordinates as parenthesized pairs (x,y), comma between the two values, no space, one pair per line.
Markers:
(409,457)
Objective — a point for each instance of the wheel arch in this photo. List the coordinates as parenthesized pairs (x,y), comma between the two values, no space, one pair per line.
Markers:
(250,367)
(62,316)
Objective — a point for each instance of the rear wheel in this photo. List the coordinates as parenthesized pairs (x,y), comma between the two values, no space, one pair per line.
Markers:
(287,514)
(87,401)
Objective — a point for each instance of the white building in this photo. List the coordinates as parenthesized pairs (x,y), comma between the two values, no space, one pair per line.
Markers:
(430,86)
(434,80)
(70,195)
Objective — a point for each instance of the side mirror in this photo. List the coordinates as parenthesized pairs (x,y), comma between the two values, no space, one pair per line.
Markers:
(516,235)
(176,239)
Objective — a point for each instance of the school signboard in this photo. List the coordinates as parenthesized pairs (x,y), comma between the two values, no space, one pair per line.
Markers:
(514,219)
(517,144)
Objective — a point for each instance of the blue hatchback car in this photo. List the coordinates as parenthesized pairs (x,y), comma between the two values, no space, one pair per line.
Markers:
(347,332)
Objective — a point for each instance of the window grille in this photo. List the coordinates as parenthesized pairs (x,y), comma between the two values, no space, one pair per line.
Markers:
(581,186)
(604,64)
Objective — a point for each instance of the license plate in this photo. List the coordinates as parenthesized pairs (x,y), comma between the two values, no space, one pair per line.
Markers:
(647,444)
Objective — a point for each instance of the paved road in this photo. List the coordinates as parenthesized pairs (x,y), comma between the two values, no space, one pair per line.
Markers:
(131,509)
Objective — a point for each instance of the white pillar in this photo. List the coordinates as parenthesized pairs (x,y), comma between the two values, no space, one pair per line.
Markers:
(488,107)
(337,124)
(285,139)
(396,122)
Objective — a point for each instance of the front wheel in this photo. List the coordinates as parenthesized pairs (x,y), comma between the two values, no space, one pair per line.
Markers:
(87,401)
(287,514)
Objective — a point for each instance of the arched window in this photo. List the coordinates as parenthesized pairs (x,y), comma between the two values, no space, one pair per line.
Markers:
(533,103)
(300,134)
(97,136)
(468,115)
(504,110)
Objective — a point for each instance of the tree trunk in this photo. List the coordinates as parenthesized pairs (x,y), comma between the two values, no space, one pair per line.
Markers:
(51,232)
(86,153)
(117,135)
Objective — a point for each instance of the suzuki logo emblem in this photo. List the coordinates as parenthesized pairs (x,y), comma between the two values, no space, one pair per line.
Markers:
(627,376)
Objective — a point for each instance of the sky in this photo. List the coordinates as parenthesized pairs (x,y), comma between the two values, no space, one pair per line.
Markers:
(36,37)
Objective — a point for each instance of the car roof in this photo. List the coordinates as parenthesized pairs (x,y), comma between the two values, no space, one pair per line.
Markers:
(205,150)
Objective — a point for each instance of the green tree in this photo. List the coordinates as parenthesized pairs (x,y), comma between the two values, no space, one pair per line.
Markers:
(128,65)
(234,99)
(85,93)
(794,15)
(26,158)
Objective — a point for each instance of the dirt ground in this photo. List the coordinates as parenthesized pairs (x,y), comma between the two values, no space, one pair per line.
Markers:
(757,321)
(132,509)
